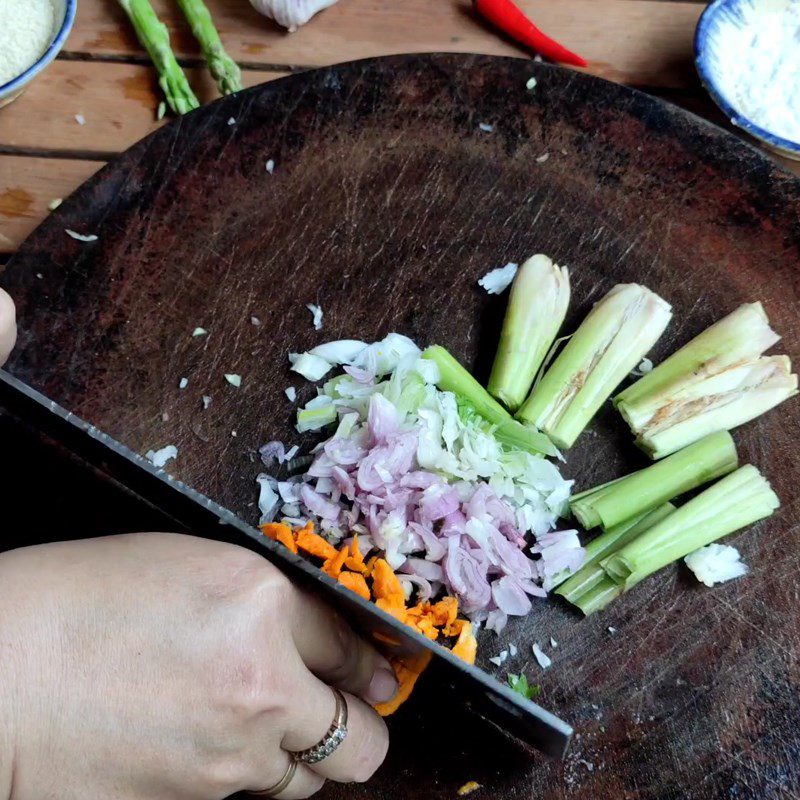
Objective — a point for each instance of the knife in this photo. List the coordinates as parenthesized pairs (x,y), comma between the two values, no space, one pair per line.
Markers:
(466,684)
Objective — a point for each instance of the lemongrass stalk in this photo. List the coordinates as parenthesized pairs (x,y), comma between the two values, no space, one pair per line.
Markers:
(739,499)
(598,597)
(741,336)
(610,504)
(611,341)
(223,68)
(536,310)
(591,573)
(154,37)
(720,401)
(453,377)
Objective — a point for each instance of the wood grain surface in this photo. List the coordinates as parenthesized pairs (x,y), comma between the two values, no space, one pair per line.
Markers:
(104,75)
(387,203)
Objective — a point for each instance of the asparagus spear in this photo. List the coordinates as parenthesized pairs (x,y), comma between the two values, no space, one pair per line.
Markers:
(153,35)
(536,309)
(225,70)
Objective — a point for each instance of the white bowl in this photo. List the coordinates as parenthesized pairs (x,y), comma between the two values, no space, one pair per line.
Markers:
(66,14)
(723,26)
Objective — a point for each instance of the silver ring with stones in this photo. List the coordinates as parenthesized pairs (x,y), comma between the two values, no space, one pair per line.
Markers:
(336,734)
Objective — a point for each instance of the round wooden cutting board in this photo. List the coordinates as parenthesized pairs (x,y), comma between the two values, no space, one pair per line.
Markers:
(397,183)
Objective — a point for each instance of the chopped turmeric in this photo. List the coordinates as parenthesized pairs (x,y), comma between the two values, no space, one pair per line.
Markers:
(406,678)
(466,648)
(313,544)
(370,565)
(355,561)
(397,611)
(445,611)
(333,566)
(386,586)
(355,582)
(468,788)
(279,532)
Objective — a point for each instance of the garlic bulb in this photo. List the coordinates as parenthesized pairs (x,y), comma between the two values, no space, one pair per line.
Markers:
(290,13)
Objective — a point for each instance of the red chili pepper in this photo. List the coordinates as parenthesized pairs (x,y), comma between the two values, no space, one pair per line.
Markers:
(506,16)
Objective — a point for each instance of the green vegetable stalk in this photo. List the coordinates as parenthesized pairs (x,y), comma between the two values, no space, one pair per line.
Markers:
(154,38)
(611,341)
(454,378)
(717,381)
(536,310)
(739,499)
(590,588)
(613,503)
(225,70)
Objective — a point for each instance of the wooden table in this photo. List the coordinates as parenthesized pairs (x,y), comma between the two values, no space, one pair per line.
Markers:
(104,77)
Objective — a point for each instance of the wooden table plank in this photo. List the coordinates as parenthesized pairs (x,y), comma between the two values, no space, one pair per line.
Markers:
(117,101)
(640,42)
(27,185)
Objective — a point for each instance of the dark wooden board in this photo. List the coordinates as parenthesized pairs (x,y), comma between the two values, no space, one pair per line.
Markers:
(386,204)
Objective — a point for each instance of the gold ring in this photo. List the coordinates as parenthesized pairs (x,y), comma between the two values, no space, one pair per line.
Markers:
(334,736)
(281,785)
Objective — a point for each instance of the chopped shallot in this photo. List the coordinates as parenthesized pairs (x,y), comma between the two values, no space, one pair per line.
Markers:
(498,280)
(716,563)
(542,658)
(158,458)
(316,312)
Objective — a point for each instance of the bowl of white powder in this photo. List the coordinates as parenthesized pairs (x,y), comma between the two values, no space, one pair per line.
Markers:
(748,55)
(32,32)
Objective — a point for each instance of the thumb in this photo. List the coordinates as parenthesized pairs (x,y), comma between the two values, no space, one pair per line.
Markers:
(8,326)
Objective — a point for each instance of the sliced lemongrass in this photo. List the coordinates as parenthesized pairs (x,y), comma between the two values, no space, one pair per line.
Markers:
(536,309)
(591,574)
(611,341)
(453,377)
(598,597)
(720,401)
(611,504)
(741,336)
(738,500)
(312,419)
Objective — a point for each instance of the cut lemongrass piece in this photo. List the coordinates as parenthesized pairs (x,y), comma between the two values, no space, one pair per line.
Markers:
(591,573)
(312,419)
(611,341)
(536,310)
(453,377)
(720,401)
(738,500)
(599,596)
(741,336)
(610,504)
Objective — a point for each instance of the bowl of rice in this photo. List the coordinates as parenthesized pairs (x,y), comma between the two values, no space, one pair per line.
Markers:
(32,32)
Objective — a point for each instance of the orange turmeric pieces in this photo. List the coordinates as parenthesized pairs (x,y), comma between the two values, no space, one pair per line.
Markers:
(347,565)
(355,582)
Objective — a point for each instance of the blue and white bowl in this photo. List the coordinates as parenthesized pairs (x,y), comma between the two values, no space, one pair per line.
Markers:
(736,44)
(65,14)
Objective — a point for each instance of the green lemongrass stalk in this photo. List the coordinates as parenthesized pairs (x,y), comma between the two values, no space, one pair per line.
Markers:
(224,69)
(739,499)
(701,462)
(741,336)
(720,401)
(611,341)
(453,377)
(536,310)
(154,37)
(591,574)
(598,596)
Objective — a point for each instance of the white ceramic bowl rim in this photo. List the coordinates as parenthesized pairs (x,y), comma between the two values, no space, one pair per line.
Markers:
(70,7)
(707,77)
